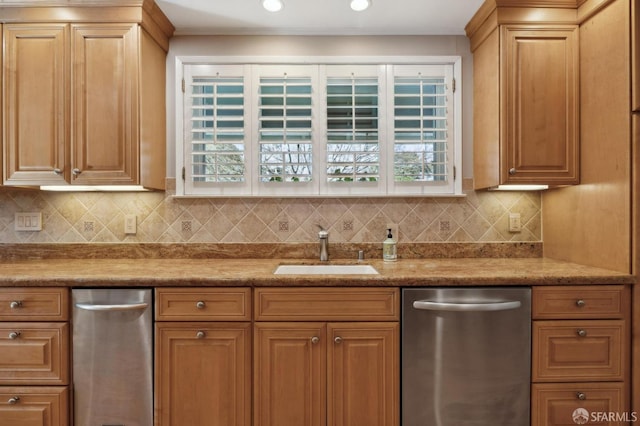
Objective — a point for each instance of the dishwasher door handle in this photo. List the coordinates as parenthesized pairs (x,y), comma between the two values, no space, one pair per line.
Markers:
(111,308)
(466,307)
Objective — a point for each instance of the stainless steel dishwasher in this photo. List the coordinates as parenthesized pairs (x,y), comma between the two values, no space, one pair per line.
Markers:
(112,357)
(466,356)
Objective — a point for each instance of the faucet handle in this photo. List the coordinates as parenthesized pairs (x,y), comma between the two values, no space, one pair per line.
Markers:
(323,232)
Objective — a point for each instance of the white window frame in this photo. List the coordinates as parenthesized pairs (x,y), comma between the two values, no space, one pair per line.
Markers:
(319,187)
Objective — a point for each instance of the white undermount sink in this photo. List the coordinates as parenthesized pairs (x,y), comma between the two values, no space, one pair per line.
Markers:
(325,270)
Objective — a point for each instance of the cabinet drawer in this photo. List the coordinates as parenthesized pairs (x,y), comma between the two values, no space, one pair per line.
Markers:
(34,406)
(579,351)
(326,304)
(34,304)
(573,302)
(555,404)
(203,304)
(34,353)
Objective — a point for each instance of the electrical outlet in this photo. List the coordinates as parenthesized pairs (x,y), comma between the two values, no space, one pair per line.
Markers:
(394,231)
(28,221)
(130,224)
(514,222)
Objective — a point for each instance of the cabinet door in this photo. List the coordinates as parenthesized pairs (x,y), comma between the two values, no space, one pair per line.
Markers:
(105,104)
(290,374)
(363,367)
(203,374)
(34,406)
(561,404)
(539,115)
(35,103)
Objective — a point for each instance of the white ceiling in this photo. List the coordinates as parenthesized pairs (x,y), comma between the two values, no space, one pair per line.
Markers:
(320,17)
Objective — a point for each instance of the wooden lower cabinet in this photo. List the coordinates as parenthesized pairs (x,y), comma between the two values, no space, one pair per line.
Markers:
(565,404)
(580,359)
(34,406)
(316,374)
(203,374)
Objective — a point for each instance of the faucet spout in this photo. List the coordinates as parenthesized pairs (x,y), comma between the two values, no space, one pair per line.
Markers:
(323,237)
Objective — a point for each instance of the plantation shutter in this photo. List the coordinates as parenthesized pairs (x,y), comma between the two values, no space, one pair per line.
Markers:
(215,129)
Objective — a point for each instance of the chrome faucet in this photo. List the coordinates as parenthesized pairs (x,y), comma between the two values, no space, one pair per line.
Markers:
(323,236)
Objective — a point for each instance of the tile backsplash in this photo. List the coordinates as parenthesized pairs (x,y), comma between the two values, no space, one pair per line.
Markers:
(98,217)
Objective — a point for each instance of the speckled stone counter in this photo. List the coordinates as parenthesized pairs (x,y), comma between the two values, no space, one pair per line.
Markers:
(259,272)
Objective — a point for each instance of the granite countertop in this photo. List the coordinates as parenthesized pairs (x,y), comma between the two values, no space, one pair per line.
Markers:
(259,272)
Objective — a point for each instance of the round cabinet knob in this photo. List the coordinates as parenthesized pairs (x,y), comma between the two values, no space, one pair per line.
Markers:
(581,396)
(512,171)
(57,171)
(315,339)
(76,172)
(338,339)
(15,304)
(200,304)
(200,335)
(582,333)
(580,303)
(14,335)
(14,400)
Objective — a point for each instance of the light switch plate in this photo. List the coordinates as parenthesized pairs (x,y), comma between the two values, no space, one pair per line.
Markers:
(31,221)
(515,225)
(130,224)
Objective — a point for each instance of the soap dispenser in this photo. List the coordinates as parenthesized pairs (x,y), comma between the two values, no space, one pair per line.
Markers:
(389,248)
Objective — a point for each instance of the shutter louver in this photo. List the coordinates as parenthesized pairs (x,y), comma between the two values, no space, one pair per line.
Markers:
(285,129)
(353,148)
(420,129)
(217,129)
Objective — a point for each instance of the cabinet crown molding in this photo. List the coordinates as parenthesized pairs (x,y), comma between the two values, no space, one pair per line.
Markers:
(144,12)
(498,12)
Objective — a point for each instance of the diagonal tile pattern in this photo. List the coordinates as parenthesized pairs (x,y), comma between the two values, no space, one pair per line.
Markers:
(99,217)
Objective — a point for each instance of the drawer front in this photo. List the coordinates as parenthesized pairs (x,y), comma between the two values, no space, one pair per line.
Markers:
(34,304)
(34,406)
(203,304)
(34,353)
(327,304)
(577,302)
(561,403)
(579,351)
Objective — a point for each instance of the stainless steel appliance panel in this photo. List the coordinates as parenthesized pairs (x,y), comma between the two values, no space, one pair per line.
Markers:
(112,357)
(466,356)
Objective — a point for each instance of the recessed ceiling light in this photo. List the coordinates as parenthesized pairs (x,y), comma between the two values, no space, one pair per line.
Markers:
(273,5)
(360,5)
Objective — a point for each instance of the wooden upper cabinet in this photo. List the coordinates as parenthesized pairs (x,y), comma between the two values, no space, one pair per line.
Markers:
(526,101)
(105,104)
(35,103)
(84,102)
(540,105)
